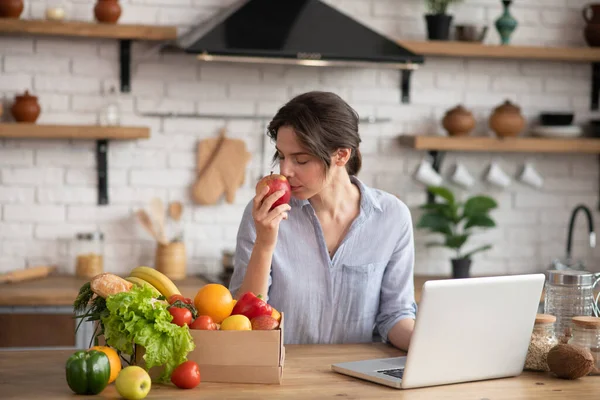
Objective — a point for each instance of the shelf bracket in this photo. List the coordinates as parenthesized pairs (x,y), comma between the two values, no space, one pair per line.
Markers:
(405,76)
(102,170)
(125,61)
(437,159)
(595,86)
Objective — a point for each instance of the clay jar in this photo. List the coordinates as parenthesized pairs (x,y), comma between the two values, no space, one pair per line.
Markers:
(506,120)
(591,32)
(26,108)
(107,11)
(458,121)
(11,8)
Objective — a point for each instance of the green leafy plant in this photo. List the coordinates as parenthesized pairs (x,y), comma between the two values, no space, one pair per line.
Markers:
(439,6)
(456,220)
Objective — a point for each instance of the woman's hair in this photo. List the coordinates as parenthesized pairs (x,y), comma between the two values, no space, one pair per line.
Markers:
(323,123)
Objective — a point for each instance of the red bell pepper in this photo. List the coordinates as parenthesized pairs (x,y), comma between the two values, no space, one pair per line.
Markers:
(251,306)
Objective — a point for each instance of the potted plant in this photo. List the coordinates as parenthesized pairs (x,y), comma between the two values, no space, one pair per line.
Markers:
(456,222)
(438,21)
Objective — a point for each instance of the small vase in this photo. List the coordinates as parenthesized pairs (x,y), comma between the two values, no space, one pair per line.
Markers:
(458,121)
(107,11)
(11,8)
(506,23)
(25,108)
(507,120)
(460,268)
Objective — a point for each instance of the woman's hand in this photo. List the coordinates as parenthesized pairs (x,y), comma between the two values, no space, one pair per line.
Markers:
(267,222)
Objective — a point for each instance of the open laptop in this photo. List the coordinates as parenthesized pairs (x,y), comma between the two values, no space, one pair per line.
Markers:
(466,330)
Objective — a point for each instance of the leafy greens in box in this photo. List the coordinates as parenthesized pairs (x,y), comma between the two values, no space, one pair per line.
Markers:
(136,317)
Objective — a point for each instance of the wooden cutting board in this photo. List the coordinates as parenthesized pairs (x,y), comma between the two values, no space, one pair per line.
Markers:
(221,169)
(26,274)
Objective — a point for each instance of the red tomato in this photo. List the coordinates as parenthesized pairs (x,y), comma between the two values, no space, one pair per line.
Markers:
(186,375)
(204,322)
(181,316)
(176,297)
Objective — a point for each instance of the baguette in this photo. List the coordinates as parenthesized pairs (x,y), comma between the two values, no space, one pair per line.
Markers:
(107,284)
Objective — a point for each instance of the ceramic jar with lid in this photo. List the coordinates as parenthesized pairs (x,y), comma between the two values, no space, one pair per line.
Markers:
(458,121)
(543,338)
(107,11)
(11,8)
(26,108)
(586,333)
(507,120)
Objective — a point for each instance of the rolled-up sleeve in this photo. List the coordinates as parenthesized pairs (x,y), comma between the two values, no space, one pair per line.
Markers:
(246,237)
(397,298)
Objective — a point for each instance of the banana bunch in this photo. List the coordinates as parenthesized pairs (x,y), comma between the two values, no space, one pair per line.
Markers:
(156,280)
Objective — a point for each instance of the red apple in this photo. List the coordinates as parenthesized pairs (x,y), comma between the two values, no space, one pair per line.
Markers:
(275,182)
(264,323)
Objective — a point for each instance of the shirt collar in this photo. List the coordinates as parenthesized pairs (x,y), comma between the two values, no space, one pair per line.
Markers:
(368,200)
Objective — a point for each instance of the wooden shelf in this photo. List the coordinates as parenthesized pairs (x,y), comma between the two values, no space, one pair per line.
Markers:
(478,50)
(35,131)
(87,29)
(508,145)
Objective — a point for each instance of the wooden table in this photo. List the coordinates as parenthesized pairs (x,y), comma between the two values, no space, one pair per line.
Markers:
(307,374)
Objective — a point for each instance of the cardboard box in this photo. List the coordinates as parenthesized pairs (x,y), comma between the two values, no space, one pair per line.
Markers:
(235,356)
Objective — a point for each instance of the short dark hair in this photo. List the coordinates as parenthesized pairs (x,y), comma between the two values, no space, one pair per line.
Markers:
(323,123)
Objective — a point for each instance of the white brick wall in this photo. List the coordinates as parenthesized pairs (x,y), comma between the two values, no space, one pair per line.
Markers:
(48,188)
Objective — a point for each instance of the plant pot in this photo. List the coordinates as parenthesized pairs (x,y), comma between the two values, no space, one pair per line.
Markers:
(107,11)
(438,26)
(460,268)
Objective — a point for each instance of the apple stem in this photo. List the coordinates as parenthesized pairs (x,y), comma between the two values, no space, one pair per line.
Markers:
(271,173)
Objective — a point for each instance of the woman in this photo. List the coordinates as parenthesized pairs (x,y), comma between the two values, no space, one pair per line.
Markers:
(341,264)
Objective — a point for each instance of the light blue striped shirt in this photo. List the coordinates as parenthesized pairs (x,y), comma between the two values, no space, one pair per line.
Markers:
(368,284)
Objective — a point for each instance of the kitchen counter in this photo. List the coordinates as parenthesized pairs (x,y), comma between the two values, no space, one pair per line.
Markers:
(61,290)
(307,374)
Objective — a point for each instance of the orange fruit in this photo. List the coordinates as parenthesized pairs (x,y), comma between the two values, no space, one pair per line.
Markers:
(113,358)
(214,300)
(276,314)
(236,322)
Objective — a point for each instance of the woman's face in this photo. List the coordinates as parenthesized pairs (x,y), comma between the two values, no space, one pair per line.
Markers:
(305,172)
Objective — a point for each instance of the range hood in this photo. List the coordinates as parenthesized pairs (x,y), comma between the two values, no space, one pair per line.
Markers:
(298,32)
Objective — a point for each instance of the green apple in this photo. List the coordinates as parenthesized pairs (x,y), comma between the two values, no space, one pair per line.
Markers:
(133,383)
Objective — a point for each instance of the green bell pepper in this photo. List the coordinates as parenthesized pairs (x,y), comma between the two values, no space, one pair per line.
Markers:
(88,372)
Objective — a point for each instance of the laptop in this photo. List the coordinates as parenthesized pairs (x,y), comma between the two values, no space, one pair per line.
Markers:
(466,330)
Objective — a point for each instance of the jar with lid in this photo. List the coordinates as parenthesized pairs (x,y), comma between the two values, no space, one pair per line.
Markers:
(543,338)
(586,333)
(568,294)
(89,251)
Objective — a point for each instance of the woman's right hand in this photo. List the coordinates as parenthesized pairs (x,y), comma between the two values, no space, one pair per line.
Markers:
(267,222)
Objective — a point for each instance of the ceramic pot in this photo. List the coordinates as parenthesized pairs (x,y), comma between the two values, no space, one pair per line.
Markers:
(506,23)
(461,268)
(591,32)
(26,108)
(11,8)
(107,11)
(458,121)
(507,120)
(438,26)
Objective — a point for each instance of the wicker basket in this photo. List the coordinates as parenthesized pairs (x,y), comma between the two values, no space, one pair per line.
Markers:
(171,260)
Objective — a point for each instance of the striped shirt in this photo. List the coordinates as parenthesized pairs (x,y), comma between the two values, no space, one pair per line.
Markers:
(366,287)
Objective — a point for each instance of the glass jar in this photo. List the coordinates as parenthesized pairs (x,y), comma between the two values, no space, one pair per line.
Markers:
(110,113)
(542,340)
(568,294)
(89,254)
(586,333)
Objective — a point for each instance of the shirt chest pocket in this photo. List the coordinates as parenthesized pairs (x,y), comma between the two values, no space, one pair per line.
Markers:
(358,288)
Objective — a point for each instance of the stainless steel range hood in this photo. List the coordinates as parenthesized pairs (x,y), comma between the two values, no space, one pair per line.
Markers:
(296,32)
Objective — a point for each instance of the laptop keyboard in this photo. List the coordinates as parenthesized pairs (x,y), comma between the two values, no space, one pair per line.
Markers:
(396,372)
